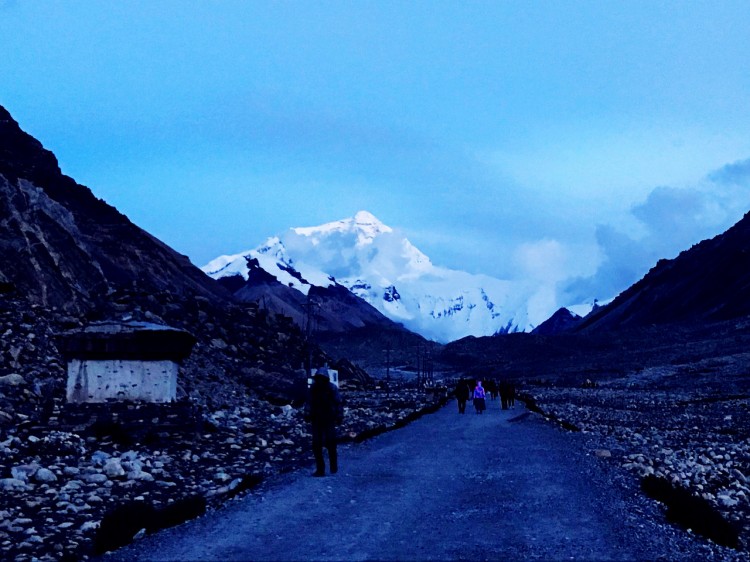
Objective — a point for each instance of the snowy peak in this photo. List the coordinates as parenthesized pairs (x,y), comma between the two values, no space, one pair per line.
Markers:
(381,266)
(364,226)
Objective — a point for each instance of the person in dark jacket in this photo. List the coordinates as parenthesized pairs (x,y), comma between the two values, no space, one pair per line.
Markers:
(325,411)
(462,393)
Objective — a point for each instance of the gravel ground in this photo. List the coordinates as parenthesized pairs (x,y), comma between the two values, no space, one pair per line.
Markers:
(692,431)
(57,486)
(502,485)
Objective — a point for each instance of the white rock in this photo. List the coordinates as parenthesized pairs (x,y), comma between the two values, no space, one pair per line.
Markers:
(45,475)
(94,478)
(139,535)
(140,475)
(24,471)
(132,466)
(13,379)
(129,456)
(89,526)
(12,484)
(726,500)
(100,457)
(222,476)
(113,468)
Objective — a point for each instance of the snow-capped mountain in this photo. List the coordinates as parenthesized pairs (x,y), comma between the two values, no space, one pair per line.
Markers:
(382,267)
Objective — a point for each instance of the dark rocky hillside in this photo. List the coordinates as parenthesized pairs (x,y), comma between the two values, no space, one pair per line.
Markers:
(707,283)
(333,309)
(596,356)
(343,324)
(376,348)
(68,258)
(562,320)
(62,247)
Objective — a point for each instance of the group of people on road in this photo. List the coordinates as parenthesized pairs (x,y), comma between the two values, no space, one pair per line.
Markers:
(506,390)
(324,410)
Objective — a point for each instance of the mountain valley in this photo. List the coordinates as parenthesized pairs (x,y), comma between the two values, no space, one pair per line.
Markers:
(659,378)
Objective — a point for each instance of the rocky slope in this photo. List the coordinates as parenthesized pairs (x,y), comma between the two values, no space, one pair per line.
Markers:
(563,320)
(681,431)
(707,283)
(69,475)
(332,308)
(67,259)
(62,247)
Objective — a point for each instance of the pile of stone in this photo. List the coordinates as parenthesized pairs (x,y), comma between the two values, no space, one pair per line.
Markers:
(686,432)
(64,467)
(58,486)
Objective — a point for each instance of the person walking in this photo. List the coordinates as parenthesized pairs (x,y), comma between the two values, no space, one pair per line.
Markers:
(325,410)
(504,395)
(462,393)
(479,394)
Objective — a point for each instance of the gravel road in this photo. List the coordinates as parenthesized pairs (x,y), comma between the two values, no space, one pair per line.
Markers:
(501,485)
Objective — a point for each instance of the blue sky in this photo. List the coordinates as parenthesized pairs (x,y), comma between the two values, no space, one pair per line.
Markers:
(572,143)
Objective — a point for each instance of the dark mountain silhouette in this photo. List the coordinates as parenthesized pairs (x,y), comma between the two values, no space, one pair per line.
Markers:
(562,320)
(63,247)
(710,282)
(686,310)
(334,308)
(68,258)
(344,324)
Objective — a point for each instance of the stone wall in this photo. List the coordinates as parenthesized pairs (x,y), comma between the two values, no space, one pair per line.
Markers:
(96,380)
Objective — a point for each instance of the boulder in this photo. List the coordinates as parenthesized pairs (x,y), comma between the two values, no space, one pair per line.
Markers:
(113,468)
(45,475)
(13,379)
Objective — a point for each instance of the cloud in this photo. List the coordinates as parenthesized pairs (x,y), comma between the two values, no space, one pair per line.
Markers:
(544,260)
(542,263)
(672,220)
(735,173)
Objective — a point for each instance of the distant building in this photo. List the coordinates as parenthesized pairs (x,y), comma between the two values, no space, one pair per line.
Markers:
(124,361)
(332,375)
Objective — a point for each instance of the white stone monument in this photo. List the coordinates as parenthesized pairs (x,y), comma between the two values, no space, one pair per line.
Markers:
(124,361)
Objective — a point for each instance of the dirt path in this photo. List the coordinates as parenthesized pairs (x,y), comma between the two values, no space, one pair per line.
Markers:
(502,485)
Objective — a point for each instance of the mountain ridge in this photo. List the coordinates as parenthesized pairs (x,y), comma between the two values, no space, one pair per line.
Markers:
(709,282)
(383,268)
(69,259)
(66,247)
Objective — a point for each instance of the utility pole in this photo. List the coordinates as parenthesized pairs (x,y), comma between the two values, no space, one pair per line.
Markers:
(310,308)
(388,370)
(427,364)
(419,365)
(430,364)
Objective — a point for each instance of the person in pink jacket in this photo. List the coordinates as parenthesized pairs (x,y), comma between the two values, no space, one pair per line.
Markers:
(479,404)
